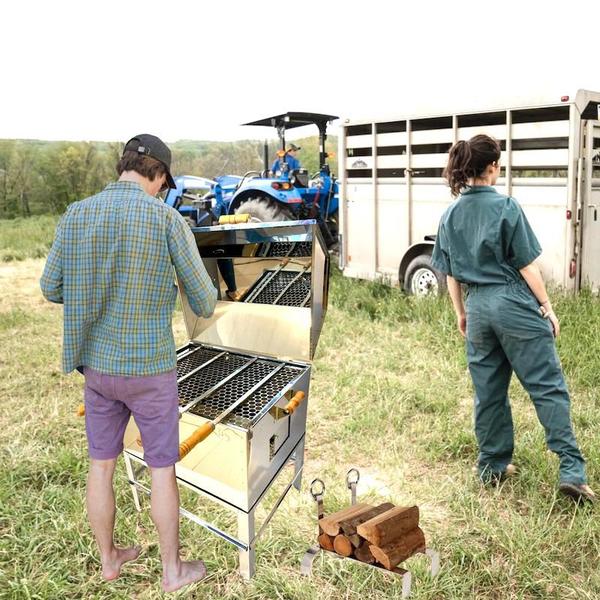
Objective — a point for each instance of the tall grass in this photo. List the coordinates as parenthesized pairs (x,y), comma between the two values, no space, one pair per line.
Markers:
(390,394)
(26,238)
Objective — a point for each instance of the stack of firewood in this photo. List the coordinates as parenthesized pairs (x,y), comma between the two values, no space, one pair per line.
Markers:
(384,534)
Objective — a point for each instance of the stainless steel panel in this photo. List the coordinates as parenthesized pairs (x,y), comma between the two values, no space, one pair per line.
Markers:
(281,271)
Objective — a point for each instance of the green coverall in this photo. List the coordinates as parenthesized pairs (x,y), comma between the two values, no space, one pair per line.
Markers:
(483,240)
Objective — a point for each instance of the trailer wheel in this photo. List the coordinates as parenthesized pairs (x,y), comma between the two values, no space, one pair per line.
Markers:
(264,210)
(421,279)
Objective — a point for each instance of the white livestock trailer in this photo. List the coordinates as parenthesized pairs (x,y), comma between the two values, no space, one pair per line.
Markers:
(393,192)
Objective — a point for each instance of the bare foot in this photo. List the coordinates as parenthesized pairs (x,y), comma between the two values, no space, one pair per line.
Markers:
(189,571)
(111,568)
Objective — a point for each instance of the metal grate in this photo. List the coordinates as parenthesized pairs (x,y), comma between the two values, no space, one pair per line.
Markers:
(289,249)
(224,396)
(198,356)
(208,377)
(286,288)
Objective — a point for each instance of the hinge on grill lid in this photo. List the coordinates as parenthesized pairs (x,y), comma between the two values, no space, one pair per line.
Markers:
(294,401)
(279,412)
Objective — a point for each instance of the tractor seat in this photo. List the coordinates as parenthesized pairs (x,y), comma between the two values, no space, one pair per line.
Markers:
(299,178)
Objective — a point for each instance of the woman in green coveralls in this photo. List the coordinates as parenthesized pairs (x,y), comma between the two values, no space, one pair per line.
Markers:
(485,242)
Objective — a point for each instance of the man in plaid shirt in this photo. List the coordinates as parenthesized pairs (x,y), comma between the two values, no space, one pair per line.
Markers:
(112,265)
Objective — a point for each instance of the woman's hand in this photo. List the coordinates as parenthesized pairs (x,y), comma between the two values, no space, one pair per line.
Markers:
(461,320)
(551,316)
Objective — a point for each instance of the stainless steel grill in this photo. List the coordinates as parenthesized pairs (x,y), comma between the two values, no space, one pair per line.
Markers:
(254,354)
(282,249)
(210,387)
(285,288)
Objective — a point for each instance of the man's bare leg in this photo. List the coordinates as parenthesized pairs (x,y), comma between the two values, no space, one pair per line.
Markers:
(101,513)
(165,514)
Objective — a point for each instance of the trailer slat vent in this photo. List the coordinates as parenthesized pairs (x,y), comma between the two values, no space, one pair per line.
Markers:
(359,129)
(540,143)
(535,115)
(391,150)
(391,127)
(359,152)
(482,119)
(359,173)
(431,123)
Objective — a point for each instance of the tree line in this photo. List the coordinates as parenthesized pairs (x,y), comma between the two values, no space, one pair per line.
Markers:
(41,177)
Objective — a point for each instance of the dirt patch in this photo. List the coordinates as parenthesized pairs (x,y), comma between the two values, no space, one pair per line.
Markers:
(20,284)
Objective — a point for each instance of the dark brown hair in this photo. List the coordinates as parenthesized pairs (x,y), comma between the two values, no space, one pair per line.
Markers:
(146,166)
(470,159)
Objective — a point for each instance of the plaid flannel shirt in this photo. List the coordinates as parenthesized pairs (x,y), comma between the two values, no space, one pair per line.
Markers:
(112,266)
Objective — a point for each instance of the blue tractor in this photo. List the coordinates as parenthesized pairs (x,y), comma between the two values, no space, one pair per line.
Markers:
(280,195)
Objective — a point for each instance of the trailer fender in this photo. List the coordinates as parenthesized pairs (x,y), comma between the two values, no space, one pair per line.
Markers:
(415,250)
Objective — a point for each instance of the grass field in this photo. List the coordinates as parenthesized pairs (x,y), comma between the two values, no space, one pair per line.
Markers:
(390,395)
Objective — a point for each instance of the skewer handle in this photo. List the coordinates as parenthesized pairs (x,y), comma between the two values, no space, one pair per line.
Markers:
(193,440)
(80,410)
(231,219)
(294,403)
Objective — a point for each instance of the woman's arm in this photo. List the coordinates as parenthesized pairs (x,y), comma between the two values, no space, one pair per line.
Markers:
(533,277)
(457,301)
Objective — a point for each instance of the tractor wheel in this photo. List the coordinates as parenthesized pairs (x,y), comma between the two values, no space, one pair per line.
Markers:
(421,279)
(264,210)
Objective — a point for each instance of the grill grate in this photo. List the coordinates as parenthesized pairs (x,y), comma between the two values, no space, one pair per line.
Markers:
(289,249)
(223,397)
(275,283)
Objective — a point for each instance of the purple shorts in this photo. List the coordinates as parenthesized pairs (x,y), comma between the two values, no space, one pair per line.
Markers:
(153,402)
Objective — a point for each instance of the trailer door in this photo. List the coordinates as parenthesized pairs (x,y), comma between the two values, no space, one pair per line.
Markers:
(590,209)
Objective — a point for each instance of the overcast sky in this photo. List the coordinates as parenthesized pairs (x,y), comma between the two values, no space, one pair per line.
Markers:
(107,70)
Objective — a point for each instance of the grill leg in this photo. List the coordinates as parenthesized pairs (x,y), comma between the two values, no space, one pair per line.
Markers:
(131,477)
(298,463)
(246,535)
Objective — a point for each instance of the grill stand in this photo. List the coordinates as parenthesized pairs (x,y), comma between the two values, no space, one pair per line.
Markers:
(317,490)
(245,542)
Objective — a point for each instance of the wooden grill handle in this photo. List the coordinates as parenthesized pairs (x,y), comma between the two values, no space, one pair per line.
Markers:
(80,410)
(294,403)
(232,219)
(193,440)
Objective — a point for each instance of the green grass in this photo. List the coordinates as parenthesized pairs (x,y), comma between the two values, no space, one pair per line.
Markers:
(390,394)
(26,238)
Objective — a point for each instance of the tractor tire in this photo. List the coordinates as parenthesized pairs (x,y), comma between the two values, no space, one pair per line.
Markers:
(421,279)
(264,210)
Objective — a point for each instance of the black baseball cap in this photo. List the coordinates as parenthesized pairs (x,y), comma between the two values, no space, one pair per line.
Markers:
(149,145)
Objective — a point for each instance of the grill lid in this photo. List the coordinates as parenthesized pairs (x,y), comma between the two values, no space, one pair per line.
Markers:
(279,275)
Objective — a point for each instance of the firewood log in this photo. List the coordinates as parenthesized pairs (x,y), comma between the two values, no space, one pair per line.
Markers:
(349,526)
(343,545)
(400,549)
(331,523)
(364,554)
(326,542)
(387,526)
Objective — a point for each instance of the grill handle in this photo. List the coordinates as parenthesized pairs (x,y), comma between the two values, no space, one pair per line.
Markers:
(81,410)
(294,403)
(193,440)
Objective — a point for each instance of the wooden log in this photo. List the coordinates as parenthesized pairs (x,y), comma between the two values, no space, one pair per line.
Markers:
(349,526)
(326,542)
(364,554)
(342,545)
(331,523)
(387,526)
(400,549)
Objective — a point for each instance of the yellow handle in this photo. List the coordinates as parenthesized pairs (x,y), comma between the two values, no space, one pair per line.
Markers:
(232,219)
(81,410)
(198,436)
(294,403)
